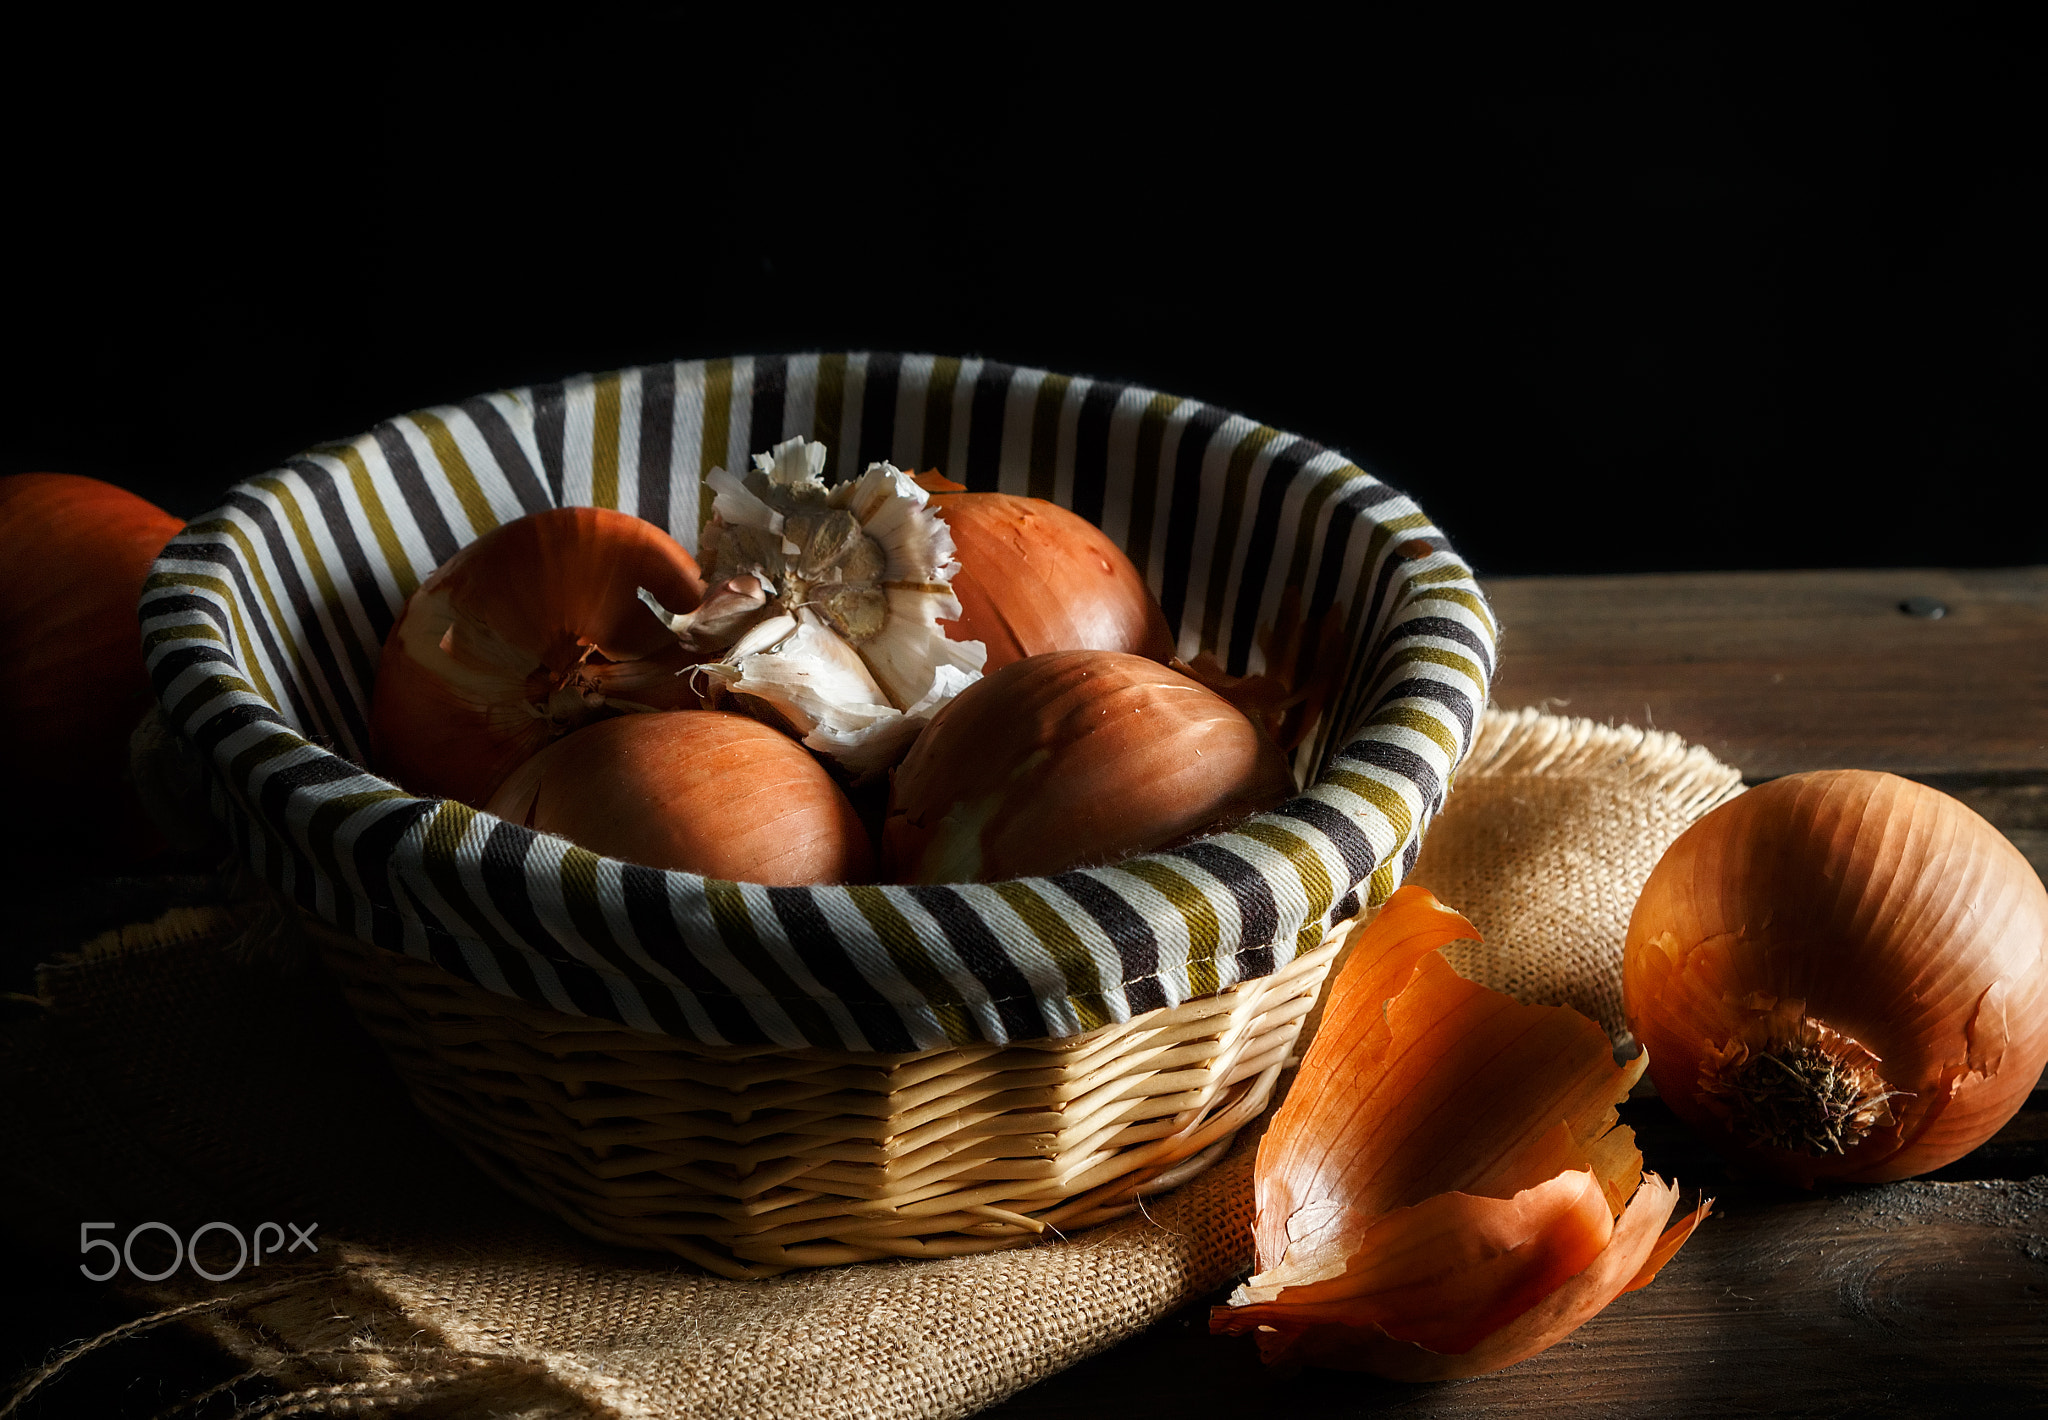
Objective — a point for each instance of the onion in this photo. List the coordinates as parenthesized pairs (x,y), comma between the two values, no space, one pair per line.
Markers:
(1070,759)
(1841,975)
(699,791)
(528,632)
(75,552)
(1447,1188)
(1035,578)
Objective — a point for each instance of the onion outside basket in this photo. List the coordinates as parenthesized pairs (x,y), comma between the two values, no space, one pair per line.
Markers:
(760,1078)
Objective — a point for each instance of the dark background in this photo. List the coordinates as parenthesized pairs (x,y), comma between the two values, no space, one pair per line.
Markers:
(1646,294)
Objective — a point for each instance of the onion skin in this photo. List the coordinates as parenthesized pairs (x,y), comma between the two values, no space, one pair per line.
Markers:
(1071,759)
(1035,578)
(697,791)
(75,552)
(526,633)
(1446,1189)
(1876,922)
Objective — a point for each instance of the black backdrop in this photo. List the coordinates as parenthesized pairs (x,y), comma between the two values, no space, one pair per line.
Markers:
(1669,293)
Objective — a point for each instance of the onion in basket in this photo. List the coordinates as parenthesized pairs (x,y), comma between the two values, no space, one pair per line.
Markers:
(698,791)
(525,634)
(1035,578)
(1071,759)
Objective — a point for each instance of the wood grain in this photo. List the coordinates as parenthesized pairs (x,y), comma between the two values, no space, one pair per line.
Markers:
(1924,1299)
(1777,672)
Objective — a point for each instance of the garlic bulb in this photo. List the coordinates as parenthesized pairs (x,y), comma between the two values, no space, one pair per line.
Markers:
(823,604)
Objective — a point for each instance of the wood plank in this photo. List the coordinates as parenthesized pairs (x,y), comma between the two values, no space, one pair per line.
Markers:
(1777,672)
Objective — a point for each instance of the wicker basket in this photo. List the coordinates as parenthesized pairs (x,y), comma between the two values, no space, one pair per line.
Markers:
(752,1162)
(755,1078)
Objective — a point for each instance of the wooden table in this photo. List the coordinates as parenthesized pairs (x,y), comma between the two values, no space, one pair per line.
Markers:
(1925,1298)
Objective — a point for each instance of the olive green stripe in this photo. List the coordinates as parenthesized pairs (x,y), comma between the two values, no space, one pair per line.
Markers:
(219,586)
(1420,721)
(333,811)
(1434,655)
(197,631)
(604,441)
(210,688)
(1311,511)
(361,659)
(1466,598)
(717,431)
(1383,797)
(1205,932)
(828,406)
(276,615)
(907,952)
(1146,476)
(579,893)
(255,756)
(1085,986)
(1380,886)
(736,928)
(1224,544)
(388,541)
(1454,572)
(1042,477)
(1308,866)
(461,477)
(938,417)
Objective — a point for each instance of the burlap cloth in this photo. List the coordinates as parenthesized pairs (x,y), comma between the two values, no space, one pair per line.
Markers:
(200,1068)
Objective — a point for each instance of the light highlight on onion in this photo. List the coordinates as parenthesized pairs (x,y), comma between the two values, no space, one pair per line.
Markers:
(1446,1189)
(1072,759)
(1035,577)
(1841,975)
(697,791)
(527,633)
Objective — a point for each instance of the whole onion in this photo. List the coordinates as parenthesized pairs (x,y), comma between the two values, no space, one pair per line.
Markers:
(74,552)
(527,633)
(698,791)
(1071,759)
(1035,578)
(1841,975)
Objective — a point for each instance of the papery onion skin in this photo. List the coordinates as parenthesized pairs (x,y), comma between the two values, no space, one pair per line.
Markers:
(529,631)
(1445,1189)
(75,552)
(1859,915)
(1070,759)
(1035,578)
(696,791)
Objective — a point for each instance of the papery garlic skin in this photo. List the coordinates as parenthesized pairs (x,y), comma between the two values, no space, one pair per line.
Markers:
(824,604)
(1446,1190)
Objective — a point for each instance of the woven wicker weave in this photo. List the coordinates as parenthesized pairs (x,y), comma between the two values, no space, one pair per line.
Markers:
(752,1161)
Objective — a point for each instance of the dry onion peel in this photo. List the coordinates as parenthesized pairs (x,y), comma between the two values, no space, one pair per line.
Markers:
(523,635)
(1841,975)
(1447,1189)
(825,603)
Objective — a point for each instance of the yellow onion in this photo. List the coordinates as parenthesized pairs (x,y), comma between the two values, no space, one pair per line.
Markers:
(1841,975)
(1446,1189)
(1035,578)
(525,634)
(74,552)
(698,791)
(1071,759)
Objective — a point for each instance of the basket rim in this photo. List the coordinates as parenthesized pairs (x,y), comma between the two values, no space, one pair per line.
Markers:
(1424,586)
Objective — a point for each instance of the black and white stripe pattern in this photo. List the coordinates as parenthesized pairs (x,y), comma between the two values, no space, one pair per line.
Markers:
(1269,553)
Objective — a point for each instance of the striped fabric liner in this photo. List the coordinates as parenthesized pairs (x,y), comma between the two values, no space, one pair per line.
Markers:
(1274,555)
